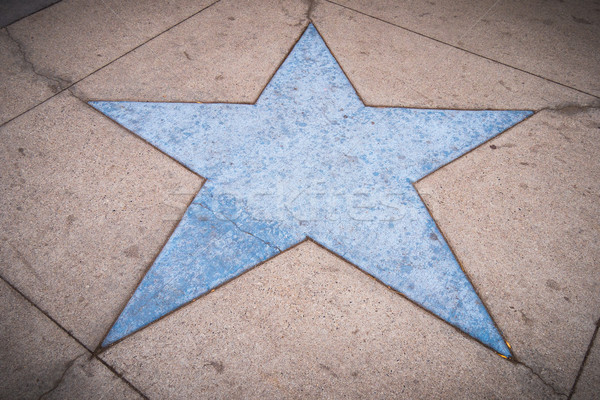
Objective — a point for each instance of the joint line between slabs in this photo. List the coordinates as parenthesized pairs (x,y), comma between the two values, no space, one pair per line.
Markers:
(462,49)
(585,358)
(55,322)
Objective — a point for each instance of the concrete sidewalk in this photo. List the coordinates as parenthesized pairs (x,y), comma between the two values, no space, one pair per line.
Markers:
(87,205)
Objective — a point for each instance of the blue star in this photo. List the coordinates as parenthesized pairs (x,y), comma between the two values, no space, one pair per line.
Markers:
(309,159)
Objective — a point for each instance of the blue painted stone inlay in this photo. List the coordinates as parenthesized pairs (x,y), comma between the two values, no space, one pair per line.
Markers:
(309,159)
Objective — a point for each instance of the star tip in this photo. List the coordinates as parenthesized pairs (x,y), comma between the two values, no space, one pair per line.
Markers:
(503,356)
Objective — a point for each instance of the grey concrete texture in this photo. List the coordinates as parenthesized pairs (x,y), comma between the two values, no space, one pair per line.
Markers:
(390,66)
(558,40)
(521,214)
(85,207)
(13,10)
(306,324)
(587,385)
(73,38)
(40,360)
(232,61)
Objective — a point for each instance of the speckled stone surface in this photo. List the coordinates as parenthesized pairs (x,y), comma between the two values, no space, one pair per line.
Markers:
(339,335)
(309,159)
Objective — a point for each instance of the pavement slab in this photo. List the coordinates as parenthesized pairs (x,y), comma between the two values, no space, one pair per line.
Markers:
(390,66)
(557,40)
(521,214)
(86,206)
(63,43)
(306,324)
(232,61)
(51,365)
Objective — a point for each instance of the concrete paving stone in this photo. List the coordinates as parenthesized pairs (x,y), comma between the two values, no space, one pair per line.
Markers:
(390,66)
(558,40)
(588,385)
(227,53)
(306,324)
(13,10)
(20,86)
(85,207)
(522,215)
(40,360)
(73,38)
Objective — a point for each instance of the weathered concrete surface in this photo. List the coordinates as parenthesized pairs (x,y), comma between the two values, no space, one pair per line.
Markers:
(557,40)
(61,44)
(587,386)
(390,66)
(227,53)
(308,325)
(522,215)
(40,360)
(85,207)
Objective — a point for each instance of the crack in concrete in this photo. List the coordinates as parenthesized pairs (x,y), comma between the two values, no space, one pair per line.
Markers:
(68,85)
(554,390)
(311,6)
(573,108)
(24,260)
(62,376)
(55,83)
(239,228)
